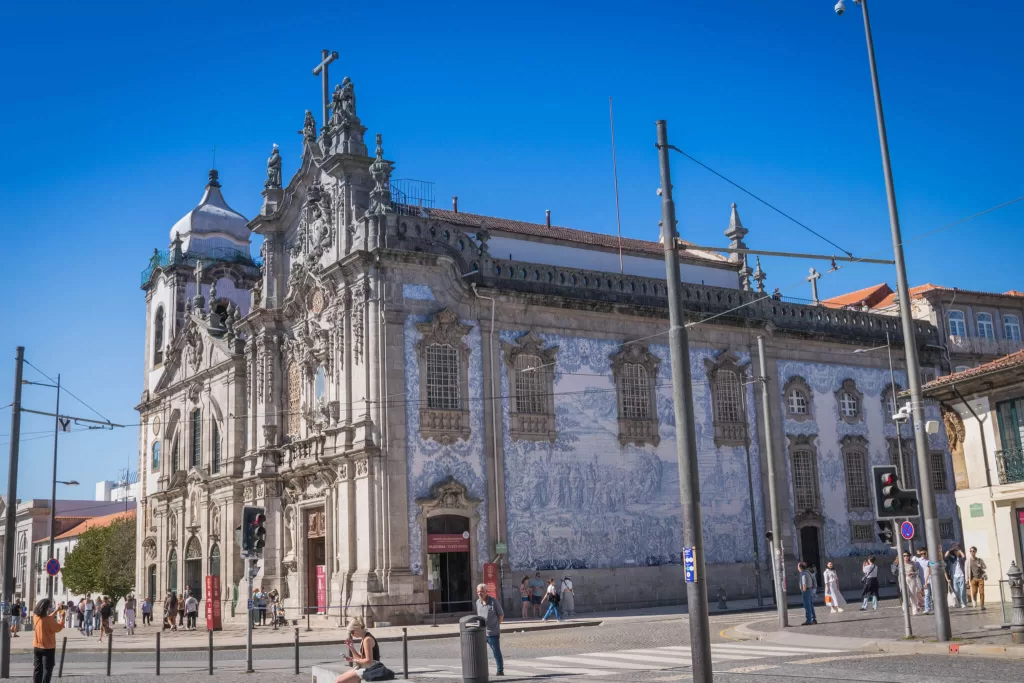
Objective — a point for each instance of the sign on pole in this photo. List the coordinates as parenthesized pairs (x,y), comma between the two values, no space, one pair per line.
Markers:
(907,530)
(52,567)
(64,423)
(491,579)
(689,565)
(213,616)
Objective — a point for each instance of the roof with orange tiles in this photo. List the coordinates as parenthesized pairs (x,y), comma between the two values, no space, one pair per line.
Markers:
(1013,360)
(918,292)
(869,295)
(92,523)
(474,221)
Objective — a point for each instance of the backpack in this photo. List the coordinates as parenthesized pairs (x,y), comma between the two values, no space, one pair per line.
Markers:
(378,672)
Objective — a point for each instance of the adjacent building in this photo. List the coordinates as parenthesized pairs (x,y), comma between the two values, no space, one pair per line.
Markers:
(413,392)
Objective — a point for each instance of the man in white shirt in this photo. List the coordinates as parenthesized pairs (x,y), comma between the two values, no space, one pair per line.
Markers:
(924,567)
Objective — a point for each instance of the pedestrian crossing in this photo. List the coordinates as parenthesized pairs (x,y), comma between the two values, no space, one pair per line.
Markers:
(612,663)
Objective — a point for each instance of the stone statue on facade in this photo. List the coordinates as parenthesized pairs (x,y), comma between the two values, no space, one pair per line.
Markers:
(273,171)
(380,171)
(308,131)
(343,102)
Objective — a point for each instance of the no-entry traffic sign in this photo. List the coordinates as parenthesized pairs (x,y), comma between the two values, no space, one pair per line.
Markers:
(907,530)
(52,567)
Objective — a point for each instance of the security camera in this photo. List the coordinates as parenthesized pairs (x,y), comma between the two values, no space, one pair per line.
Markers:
(840,7)
(903,414)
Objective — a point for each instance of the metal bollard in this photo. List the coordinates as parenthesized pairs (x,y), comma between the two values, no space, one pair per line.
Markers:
(722,604)
(433,614)
(110,649)
(308,627)
(158,652)
(405,652)
(63,647)
(1016,579)
(296,652)
(210,632)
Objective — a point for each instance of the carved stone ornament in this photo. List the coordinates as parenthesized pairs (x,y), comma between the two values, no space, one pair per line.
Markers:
(308,131)
(248,492)
(954,424)
(149,549)
(193,346)
(215,520)
(270,435)
(309,486)
(725,376)
(531,381)
(172,527)
(362,467)
(195,391)
(273,181)
(442,352)
(380,171)
(449,494)
(635,370)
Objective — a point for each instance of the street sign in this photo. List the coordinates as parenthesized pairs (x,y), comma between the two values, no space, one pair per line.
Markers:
(689,566)
(64,423)
(52,567)
(250,605)
(907,530)
(500,548)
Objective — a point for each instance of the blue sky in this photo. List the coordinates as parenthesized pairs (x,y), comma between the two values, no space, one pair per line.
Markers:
(111,111)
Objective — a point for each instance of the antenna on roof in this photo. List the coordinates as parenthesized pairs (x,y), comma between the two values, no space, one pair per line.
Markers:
(214,165)
(615,175)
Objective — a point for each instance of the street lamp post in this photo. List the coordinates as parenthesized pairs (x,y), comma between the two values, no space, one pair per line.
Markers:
(928,509)
(53,507)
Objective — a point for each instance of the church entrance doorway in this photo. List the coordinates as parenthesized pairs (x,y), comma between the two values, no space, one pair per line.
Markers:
(316,562)
(194,568)
(810,549)
(449,565)
(151,583)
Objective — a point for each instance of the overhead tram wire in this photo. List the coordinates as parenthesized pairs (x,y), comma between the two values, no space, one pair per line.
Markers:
(66,391)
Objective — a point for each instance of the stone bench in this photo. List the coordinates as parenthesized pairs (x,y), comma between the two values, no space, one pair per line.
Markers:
(326,673)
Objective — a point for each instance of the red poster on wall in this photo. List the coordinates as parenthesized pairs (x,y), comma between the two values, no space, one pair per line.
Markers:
(448,543)
(491,579)
(213,621)
(321,589)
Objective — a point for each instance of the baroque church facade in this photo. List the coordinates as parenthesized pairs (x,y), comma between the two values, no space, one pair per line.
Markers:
(408,405)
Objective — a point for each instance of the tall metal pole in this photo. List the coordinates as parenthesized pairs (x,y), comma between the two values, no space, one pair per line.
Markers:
(908,630)
(750,496)
(250,566)
(686,438)
(10,527)
(53,491)
(778,569)
(943,631)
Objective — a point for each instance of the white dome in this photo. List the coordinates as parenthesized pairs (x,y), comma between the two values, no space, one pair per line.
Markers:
(212,223)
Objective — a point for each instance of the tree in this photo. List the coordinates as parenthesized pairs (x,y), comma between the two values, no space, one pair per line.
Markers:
(103,561)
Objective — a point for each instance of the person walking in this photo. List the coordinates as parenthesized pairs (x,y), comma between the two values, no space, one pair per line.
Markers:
(925,569)
(974,568)
(833,596)
(911,582)
(105,612)
(181,607)
(45,628)
(263,608)
(191,612)
(90,608)
(171,611)
(80,620)
(537,595)
(568,596)
(147,612)
(552,598)
(129,614)
(807,591)
(490,610)
(15,617)
(870,580)
(365,657)
(524,596)
(955,573)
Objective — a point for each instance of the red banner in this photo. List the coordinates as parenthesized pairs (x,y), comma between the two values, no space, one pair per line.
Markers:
(212,603)
(491,579)
(447,543)
(321,589)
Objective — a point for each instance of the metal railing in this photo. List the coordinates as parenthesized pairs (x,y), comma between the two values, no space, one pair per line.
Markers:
(162,259)
(1010,463)
(987,346)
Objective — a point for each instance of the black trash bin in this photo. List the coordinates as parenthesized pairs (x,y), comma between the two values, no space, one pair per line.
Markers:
(473,636)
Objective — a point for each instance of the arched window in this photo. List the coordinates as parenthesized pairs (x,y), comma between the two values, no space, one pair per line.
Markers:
(443,377)
(957,324)
(1011,327)
(158,336)
(215,560)
(636,393)
(172,570)
(798,399)
(849,400)
(155,465)
(848,404)
(197,438)
(175,456)
(194,568)
(531,378)
(530,385)
(796,402)
(215,455)
(727,396)
(985,327)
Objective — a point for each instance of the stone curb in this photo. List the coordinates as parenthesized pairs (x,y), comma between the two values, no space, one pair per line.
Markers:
(148,647)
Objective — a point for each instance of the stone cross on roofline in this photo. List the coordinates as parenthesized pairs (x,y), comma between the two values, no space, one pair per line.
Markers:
(326,57)
(813,279)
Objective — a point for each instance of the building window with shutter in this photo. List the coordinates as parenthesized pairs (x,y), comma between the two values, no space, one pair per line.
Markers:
(443,358)
(849,401)
(724,373)
(938,463)
(443,377)
(215,459)
(635,371)
(197,438)
(854,449)
(531,380)
(804,468)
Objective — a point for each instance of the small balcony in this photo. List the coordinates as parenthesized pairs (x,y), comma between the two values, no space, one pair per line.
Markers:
(1010,463)
(985,346)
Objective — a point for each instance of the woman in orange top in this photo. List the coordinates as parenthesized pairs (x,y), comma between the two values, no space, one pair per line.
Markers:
(44,640)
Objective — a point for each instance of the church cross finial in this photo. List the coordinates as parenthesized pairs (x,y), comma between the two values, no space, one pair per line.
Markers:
(813,279)
(326,57)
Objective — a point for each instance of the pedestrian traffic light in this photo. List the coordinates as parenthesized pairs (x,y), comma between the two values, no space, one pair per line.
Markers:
(254,532)
(885,534)
(892,502)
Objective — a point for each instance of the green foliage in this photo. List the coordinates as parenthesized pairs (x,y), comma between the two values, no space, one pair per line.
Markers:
(103,562)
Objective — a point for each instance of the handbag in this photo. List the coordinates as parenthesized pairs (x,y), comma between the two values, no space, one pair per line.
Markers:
(951,599)
(378,672)
(828,599)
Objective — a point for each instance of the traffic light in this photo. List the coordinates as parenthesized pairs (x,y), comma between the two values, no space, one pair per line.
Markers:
(892,502)
(885,534)
(254,531)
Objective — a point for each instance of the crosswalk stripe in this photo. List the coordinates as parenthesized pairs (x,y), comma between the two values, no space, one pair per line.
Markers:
(557,668)
(663,658)
(720,655)
(769,649)
(590,661)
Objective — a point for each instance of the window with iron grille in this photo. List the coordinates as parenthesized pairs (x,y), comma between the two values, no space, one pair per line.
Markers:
(946,529)
(531,385)
(197,437)
(856,481)
(797,402)
(727,396)
(215,460)
(805,480)
(636,396)
(862,532)
(939,471)
(443,392)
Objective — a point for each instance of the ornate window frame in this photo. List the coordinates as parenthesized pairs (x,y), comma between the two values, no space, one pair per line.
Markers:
(805,443)
(956,323)
(940,479)
(159,335)
(850,387)
(867,533)
(798,385)
(636,430)
(851,446)
(985,321)
(533,425)
(444,425)
(729,421)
